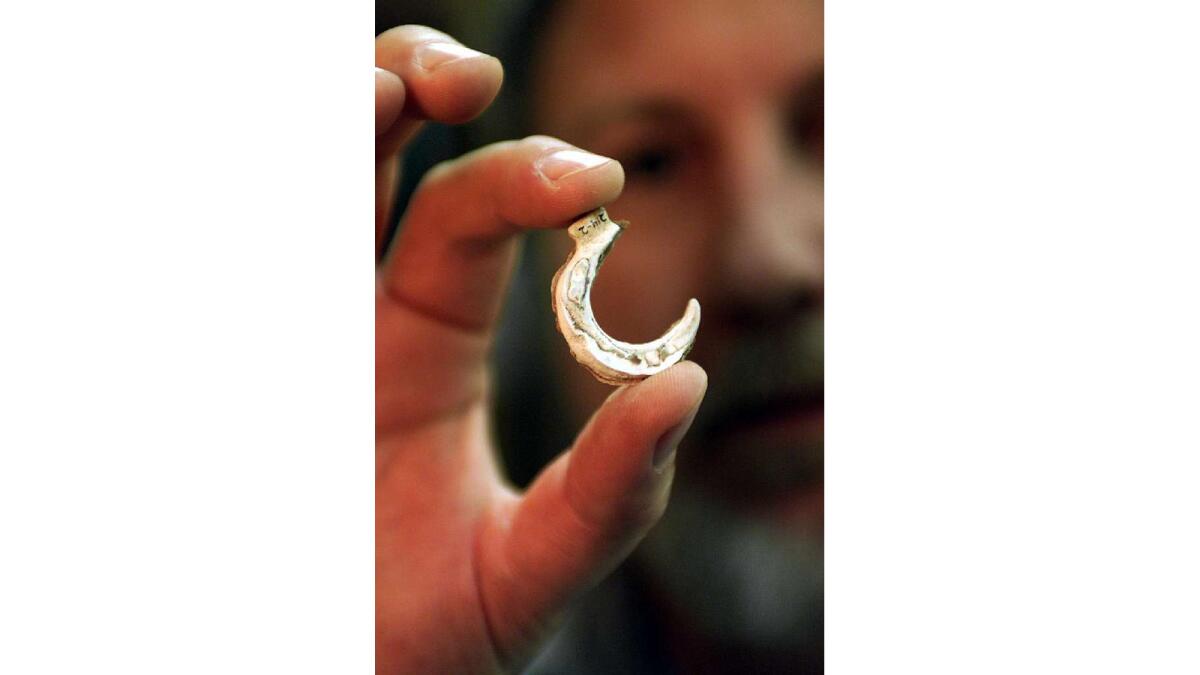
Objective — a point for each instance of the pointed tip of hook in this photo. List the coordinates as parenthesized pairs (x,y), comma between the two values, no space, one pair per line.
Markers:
(691,315)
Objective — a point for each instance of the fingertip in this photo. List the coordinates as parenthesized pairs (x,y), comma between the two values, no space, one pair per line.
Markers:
(689,375)
(593,186)
(618,470)
(447,81)
(389,99)
(559,181)
(678,389)
(616,178)
(458,91)
(638,414)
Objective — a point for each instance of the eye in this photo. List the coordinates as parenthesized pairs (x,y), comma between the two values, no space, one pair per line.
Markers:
(653,163)
(806,118)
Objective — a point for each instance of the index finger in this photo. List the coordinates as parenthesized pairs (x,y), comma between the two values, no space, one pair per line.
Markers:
(442,283)
(456,243)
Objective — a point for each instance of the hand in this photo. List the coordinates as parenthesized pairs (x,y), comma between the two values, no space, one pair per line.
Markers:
(470,575)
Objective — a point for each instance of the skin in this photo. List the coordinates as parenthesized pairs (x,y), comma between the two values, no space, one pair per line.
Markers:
(724,193)
(715,109)
(470,575)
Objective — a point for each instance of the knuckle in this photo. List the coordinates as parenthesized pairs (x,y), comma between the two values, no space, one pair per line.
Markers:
(446,170)
(454,173)
(435,182)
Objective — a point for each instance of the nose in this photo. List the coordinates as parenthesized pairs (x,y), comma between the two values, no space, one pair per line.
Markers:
(771,252)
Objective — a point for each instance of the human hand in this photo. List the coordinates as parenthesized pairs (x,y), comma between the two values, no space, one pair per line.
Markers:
(470,575)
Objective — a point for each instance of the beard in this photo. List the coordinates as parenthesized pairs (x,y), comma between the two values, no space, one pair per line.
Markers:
(741,581)
(742,578)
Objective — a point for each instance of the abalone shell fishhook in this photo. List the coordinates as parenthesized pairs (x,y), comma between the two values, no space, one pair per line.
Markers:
(609,360)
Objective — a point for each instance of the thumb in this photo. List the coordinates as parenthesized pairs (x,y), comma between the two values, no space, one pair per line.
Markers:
(587,511)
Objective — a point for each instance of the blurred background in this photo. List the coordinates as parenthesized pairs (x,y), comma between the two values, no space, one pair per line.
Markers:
(716,110)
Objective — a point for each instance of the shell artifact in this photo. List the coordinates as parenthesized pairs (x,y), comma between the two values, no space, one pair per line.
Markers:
(610,360)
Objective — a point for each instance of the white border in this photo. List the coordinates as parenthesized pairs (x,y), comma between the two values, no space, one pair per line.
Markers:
(1013,341)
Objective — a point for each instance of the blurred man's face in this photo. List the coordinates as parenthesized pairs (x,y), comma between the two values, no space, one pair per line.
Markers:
(715,109)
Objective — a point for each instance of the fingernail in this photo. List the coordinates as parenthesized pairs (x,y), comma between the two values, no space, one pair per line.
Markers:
(565,162)
(664,450)
(434,54)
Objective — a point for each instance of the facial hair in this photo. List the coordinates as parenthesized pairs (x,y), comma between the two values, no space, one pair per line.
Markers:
(741,580)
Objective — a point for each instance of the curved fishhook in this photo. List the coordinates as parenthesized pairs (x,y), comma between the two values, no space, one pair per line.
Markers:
(611,361)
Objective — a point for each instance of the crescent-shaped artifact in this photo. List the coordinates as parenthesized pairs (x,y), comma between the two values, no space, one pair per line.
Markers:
(610,360)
